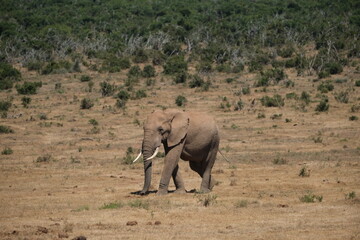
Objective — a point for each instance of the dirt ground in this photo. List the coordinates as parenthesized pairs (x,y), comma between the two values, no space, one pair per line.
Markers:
(67,178)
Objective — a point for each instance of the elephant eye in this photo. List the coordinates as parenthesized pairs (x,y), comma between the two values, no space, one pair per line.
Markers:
(161,130)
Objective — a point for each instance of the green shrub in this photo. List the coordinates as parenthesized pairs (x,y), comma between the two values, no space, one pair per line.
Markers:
(311,198)
(114,205)
(357,83)
(286,51)
(149,71)
(304,172)
(353,118)
(120,103)
(333,67)
(85,78)
(342,97)
(5,105)
(225,67)
(229,80)
(25,101)
(325,87)
(238,68)
(5,129)
(275,75)
(180,101)
(57,67)
(107,89)
(291,95)
(275,101)
(28,88)
(114,64)
(140,94)
(140,56)
(239,105)
(323,74)
(123,95)
(323,106)
(196,81)
(305,97)
(7,151)
(175,64)
(180,77)
(35,66)
(204,67)
(93,122)
(245,90)
(86,103)
(8,75)
(134,71)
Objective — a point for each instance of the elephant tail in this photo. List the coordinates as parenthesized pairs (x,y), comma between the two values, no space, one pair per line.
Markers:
(226,159)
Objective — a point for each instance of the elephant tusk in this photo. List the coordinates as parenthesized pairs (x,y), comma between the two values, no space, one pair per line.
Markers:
(137,158)
(154,155)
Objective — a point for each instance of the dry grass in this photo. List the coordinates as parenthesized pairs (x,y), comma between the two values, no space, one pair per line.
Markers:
(254,199)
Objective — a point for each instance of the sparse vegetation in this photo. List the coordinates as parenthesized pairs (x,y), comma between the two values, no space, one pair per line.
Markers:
(5,129)
(86,103)
(7,151)
(304,172)
(275,101)
(241,204)
(311,198)
(28,88)
(207,200)
(180,101)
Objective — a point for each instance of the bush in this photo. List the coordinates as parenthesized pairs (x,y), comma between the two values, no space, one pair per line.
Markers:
(323,106)
(238,68)
(86,103)
(85,78)
(305,97)
(28,88)
(342,96)
(8,75)
(123,95)
(333,68)
(325,87)
(275,101)
(266,77)
(107,89)
(134,71)
(25,101)
(149,71)
(140,94)
(180,77)
(7,151)
(196,81)
(357,83)
(353,118)
(175,64)
(5,105)
(140,56)
(5,129)
(114,64)
(180,101)
(57,67)
(245,90)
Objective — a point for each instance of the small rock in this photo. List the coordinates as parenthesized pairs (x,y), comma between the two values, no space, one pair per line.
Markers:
(63,235)
(157,223)
(131,223)
(283,205)
(79,238)
(42,230)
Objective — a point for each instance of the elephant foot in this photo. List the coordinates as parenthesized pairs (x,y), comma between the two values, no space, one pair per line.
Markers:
(204,190)
(162,192)
(180,191)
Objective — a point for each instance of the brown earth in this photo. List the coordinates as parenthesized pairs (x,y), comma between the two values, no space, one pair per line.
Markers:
(67,192)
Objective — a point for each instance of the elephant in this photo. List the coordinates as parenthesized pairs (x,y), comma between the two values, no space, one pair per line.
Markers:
(191,136)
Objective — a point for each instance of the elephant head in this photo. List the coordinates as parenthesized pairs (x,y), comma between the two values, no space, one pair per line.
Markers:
(167,127)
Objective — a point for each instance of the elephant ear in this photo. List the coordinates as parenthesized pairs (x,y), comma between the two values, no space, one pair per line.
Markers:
(179,128)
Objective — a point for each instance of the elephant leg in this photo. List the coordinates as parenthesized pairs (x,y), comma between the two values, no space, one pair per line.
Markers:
(178,181)
(171,162)
(208,181)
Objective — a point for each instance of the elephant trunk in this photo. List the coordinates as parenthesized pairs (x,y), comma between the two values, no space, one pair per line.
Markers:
(147,150)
